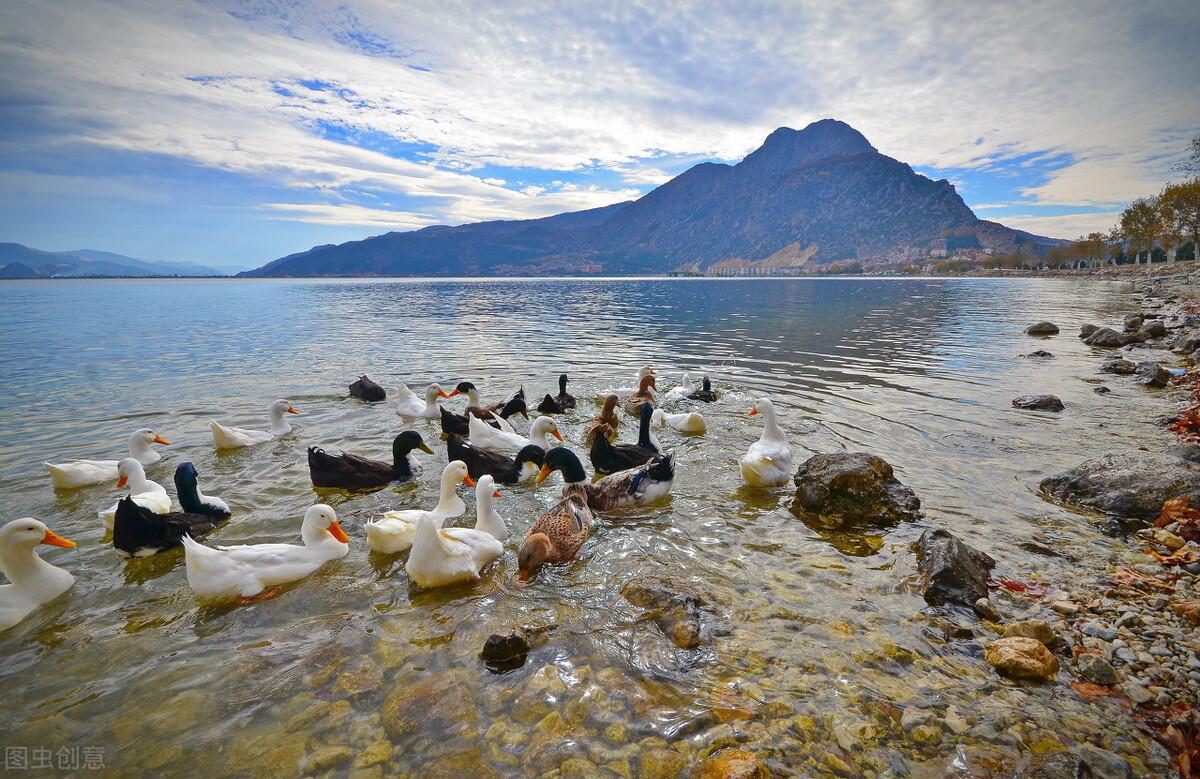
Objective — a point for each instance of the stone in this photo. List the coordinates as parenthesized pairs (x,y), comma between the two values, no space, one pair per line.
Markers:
(1102,764)
(425,706)
(913,716)
(675,609)
(1022,658)
(1155,328)
(1064,607)
(1040,354)
(732,764)
(1130,483)
(985,609)
(1050,765)
(1038,403)
(851,489)
(501,654)
(1108,338)
(661,764)
(1151,374)
(1096,670)
(1032,628)
(1186,344)
(360,677)
(1086,330)
(955,721)
(376,753)
(1133,322)
(1118,366)
(1042,328)
(1137,693)
(326,758)
(1099,630)
(951,572)
(1101,390)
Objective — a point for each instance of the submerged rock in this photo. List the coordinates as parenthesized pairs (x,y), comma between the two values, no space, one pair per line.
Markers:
(1022,658)
(441,702)
(732,764)
(1040,354)
(1102,764)
(1126,484)
(951,572)
(1108,338)
(1086,330)
(1151,374)
(676,609)
(1101,390)
(1038,403)
(1031,628)
(843,489)
(1042,328)
(507,653)
(365,389)
(1096,670)
(1118,366)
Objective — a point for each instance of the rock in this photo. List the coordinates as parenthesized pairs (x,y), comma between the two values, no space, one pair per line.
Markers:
(1022,658)
(1102,764)
(951,572)
(1133,322)
(913,716)
(1151,374)
(1031,628)
(674,608)
(1042,328)
(1101,390)
(1099,630)
(1137,693)
(955,721)
(1087,330)
(732,764)
(1118,366)
(1051,765)
(361,677)
(985,609)
(501,654)
(1040,354)
(1064,607)
(1126,484)
(661,764)
(1038,403)
(1096,670)
(327,757)
(1186,344)
(376,753)
(365,389)
(1108,338)
(424,706)
(1189,452)
(843,489)
(1155,328)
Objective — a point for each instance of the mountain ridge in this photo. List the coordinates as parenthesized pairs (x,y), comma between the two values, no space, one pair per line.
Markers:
(18,261)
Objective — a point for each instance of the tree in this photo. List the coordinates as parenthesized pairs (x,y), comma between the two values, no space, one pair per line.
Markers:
(1141,225)
(1183,203)
(1191,164)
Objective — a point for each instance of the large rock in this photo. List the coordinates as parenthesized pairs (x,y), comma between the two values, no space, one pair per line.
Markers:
(1108,338)
(1186,343)
(1038,403)
(425,707)
(1022,658)
(732,764)
(1151,374)
(677,610)
(1126,484)
(1118,366)
(1153,329)
(951,571)
(843,489)
(1087,330)
(1133,322)
(1042,328)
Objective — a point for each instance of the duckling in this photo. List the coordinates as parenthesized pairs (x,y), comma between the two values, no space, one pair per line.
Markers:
(515,470)
(706,394)
(607,421)
(632,487)
(564,401)
(365,389)
(644,395)
(610,458)
(351,472)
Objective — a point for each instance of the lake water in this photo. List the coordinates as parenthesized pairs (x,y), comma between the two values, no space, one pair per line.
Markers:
(827,639)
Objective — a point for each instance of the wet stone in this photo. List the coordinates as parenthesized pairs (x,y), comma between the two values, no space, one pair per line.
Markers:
(1151,374)
(852,489)
(1094,669)
(1042,328)
(951,571)
(1031,628)
(1038,403)
(1103,764)
(1130,483)
(1119,367)
(1022,658)
(731,764)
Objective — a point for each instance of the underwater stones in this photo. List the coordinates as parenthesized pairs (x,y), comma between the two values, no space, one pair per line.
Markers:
(376,753)
(1040,354)
(1042,328)
(1038,403)
(442,701)
(325,758)
(1151,374)
(847,489)
(675,609)
(951,572)
(1132,322)
(1096,670)
(361,677)
(1102,764)
(731,764)
(1031,628)
(1125,484)
(1022,658)
(661,764)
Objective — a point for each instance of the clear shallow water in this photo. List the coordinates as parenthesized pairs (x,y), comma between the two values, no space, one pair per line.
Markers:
(828,640)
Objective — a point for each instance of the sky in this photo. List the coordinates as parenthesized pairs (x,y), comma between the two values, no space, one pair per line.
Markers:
(233,133)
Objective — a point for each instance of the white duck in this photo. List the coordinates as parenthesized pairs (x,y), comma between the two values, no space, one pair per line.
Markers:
(624,392)
(34,581)
(486,518)
(248,571)
(144,492)
(690,422)
(409,404)
(484,436)
(394,531)
(442,557)
(236,437)
(768,462)
(684,389)
(81,473)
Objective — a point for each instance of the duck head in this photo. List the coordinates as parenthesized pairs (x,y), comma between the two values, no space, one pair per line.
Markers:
(463,388)
(529,460)
(564,460)
(406,442)
(26,533)
(542,427)
(320,521)
(130,472)
(647,383)
(562,384)
(144,439)
(187,487)
(433,392)
(535,550)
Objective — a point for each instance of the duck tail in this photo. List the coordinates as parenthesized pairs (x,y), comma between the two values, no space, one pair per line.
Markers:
(662,468)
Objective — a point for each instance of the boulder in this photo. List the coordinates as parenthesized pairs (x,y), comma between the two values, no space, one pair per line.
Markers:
(365,389)
(1151,374)
(1186,343)
(675,609)
(1086,330)
(732,764)
(1108,338)
(1022,658)
(1031,628)
(1133,322)
(1118,366)
(1094,669)
(843,489)
(1126,484)
(1038,403)
(1040,354)
(1155,328)
(1042,328)
(951,572)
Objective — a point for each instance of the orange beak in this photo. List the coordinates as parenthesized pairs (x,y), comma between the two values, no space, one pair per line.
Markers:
(754,411)
(122,481)
(54,539)
(335,530)
(292,410)
(557,435)
(497,494)
(452,394)
(444,394)
(160,440)
(468,480)
(542,474)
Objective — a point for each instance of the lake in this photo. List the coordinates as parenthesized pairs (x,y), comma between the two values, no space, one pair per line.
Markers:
(823,638)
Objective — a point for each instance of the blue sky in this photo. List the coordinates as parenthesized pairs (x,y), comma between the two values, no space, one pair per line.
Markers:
(232,133)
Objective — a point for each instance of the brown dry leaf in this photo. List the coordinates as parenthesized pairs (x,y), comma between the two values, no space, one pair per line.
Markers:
(1184,556)
(1177,510)
(1187,425)
(1130,578)
(1188,609)
(1097,692)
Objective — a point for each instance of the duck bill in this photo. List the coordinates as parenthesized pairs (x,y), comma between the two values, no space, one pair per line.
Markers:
(557,435)
(467,480)
(160,440)
(497,494)
(335,530)
(452,394)
(542,474)
(424,448)
(754,411)
(444,394)
(292,410)
(54,539)
(122,481)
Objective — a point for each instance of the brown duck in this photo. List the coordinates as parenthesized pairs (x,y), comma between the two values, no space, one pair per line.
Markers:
(607,420)
(644,395)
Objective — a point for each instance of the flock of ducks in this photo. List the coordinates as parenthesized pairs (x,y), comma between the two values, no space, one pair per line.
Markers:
(484,450)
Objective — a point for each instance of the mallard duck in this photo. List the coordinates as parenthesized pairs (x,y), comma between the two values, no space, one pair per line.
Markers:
(513,404)
(148,494)
(35,582)
(351,472)
(486,518)
(442,557)
(82,473)
(365,389)
(683,390)
(484,436)
(522,468)
(558,535)
(457,424)
(633,487)
(140,532)
(237,437)
(644,395)
(394,531)
(610,458)
(690,422)
(607,421)
(768,462)
(248,571)
(408,404)
(706,393)
(559,403)
(624,392)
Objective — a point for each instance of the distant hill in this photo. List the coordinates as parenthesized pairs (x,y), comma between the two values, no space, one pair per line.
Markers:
(817,195)
(22,262)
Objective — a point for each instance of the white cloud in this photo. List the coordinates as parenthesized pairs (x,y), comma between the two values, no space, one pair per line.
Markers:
(1063,225)
(347,214)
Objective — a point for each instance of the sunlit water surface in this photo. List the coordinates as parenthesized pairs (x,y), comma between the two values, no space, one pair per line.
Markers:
(827,638)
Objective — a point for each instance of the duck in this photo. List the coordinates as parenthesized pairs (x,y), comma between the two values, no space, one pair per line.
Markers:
(522,468)
(610,458)
(84,473)
(35,582)
(140,532)
(704,394)
(351,472)
(394,531)
(408,404)
(638,486)
(484,436)
(690,422)
(607,421)
(486,518)
(513,404)
(148,494)
(444,557)
(624,392)
(683,390)
(557,404)
(644,395)
(768,462)
(365,389)
(558,535)
(237,437)
(248,571)
(457,424)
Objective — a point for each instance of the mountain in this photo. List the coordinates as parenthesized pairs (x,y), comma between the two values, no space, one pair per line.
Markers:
(22,262)
(811,196)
